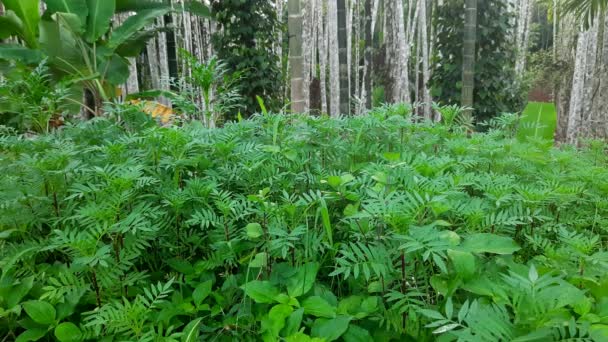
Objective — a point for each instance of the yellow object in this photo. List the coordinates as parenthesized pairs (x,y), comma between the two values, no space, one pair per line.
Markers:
(156,110)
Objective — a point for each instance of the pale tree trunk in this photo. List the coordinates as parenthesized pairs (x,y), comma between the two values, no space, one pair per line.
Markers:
(343,58)
(306,9)
(401,92)
(159,62)
(565,50)
(524,20)
(334,60)
(589,102)
(470,40)
(132,84)
(323,46)
(426,70)
(296,60)
(366,96)
(578,89)
(355,65)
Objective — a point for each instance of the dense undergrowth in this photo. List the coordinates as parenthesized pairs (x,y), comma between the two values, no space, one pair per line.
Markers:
(295,228)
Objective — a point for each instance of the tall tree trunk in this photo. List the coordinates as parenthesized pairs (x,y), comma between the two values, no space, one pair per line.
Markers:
(343,58)
(426,69)
(369,46)
(296,60)
(334,60)
(524,20)
(323,46)
(468,67)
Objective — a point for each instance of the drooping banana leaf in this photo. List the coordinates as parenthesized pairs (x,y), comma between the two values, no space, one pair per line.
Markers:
(98,20)
(28,12)
(135,24)
(14,52)
(77,7)
(10,25)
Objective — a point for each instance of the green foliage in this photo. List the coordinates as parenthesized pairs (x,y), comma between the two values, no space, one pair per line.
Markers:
(496,88)
(30,99)
(538,121)
(296,228)
(245,40)
(76,38)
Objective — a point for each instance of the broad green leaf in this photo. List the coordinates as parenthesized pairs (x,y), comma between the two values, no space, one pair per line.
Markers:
(330,329)
(259,260)
(464,262)
(261,291)
(31,335)
(29,13)
(10,25)
(134,24)
(538,121)
(489,243)
(201,292)
(599,332)
(303,280)
(275,321)
(19,53)
(357,334)
(191,331)
(68,332)
(117,70)
(98,22)
(318,307)
(293,322)
(326,222)
(77,7)
(254,230)
(302,337)
(41,312)
(17,292)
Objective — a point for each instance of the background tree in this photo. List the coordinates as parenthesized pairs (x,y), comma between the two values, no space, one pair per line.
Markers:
(298,102)
(497,88)
(244,40)
(468,59)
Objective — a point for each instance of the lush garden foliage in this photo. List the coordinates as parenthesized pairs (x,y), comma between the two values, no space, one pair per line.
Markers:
(298,228)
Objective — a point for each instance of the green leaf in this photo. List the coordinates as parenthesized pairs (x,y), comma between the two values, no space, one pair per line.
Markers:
(68,332)
(77,7)
(191,331)
(19,53)
(489,243)
(41,312)
(259,260)
(201,292)
(326,222)
(31,335)
(357,334)
(134,24)
(302,337)
(254,230)
(117,69)
(303,280)
(330,329)
(98,22)
(293,322)
(29,13)
(261,291)
(318,307)
(10,25)
(464,263)
(275,321)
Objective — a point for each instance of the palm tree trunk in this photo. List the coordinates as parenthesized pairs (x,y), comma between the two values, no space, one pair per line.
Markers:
(468,68)
(295,56)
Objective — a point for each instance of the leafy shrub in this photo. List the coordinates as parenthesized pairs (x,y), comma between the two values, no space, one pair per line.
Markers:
(372,228)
